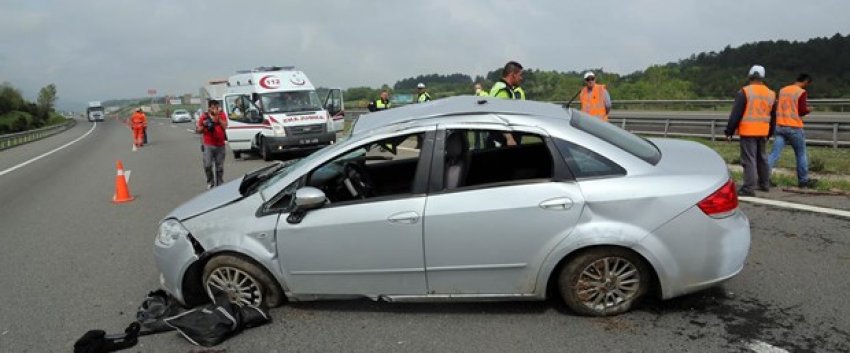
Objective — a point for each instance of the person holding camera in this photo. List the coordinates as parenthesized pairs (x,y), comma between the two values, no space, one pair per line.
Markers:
(212,125)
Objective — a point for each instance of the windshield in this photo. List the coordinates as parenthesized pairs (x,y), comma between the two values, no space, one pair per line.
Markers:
(291,102)
(180,111)
(294,164)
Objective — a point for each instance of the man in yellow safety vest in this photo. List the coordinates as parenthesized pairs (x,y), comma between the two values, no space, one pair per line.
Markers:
(508,86)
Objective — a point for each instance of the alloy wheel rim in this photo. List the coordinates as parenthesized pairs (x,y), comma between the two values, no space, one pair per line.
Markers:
(239,286)
(607,283)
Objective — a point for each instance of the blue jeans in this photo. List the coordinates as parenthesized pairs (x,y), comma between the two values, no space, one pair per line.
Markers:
(797,138)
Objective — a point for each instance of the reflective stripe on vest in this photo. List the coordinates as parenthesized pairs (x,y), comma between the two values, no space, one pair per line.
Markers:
(756,119)
(380,104)
(786,106)
(519,93)
(593,102)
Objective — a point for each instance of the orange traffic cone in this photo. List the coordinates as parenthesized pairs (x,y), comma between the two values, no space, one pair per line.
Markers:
(122,192)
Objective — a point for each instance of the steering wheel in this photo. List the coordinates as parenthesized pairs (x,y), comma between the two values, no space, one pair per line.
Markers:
(357,180)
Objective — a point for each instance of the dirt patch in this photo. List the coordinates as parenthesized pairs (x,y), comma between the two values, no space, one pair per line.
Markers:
(746,320)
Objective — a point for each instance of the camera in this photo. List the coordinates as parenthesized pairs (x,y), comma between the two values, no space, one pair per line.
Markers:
(208,124)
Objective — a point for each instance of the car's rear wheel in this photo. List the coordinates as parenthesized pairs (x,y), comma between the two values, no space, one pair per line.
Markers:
(604,281)
(242,281)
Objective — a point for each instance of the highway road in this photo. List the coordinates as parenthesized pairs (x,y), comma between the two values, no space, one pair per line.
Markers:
(71,261)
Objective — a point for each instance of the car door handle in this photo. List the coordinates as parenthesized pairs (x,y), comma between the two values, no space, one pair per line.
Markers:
(557,204)
(408,217)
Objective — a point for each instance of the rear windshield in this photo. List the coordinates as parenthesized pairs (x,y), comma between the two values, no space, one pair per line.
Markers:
(636,145)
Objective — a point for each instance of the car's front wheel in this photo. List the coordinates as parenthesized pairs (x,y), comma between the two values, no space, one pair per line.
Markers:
(242,281)
(604,281)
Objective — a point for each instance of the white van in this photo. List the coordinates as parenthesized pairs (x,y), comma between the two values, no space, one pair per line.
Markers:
(276,109)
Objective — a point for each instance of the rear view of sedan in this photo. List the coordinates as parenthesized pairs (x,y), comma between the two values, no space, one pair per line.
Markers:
(466,199)
(181,116)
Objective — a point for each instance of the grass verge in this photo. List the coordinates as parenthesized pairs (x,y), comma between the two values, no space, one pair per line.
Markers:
(830,166)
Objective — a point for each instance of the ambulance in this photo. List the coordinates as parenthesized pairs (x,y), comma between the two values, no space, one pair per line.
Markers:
(276,109)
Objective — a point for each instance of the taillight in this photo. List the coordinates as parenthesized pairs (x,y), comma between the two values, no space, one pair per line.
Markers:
(722,202)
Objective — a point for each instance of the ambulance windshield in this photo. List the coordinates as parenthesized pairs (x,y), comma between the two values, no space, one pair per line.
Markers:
(290,102)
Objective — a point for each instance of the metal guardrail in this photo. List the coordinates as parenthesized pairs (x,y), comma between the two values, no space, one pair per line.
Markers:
(18,138)
(832,131)
(838,104)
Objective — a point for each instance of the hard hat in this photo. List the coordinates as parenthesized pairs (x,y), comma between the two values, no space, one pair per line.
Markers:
(589,74)
(757,71)
(420,85)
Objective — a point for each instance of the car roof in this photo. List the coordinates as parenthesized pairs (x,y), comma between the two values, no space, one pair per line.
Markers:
(455,106)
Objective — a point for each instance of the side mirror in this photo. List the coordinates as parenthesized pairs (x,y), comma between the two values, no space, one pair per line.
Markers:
(306,198)
(309,198)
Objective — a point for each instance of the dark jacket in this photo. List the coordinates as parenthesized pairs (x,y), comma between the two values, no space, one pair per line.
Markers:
(738,113)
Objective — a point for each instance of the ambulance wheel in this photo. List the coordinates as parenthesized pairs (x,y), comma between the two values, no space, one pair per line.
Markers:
(265,153)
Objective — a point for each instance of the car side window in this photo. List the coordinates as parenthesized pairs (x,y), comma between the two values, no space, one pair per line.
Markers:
(378,169)
(584,163)
(241,109)
(235,108)
(484,157)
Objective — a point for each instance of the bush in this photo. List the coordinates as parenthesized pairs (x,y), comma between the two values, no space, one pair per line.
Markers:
(817,164)
(14,121)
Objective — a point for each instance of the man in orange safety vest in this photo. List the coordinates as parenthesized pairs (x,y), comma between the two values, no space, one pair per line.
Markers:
(753,117)
(138,122)
(594,97)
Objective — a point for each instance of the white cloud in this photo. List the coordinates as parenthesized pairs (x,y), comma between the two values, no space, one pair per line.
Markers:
(110,49)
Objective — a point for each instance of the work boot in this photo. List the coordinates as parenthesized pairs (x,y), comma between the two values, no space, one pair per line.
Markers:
(742,192)
(808,184)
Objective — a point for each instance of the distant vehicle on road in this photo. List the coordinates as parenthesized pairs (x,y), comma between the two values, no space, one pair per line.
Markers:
(181,116)
(95,111)
(519,200)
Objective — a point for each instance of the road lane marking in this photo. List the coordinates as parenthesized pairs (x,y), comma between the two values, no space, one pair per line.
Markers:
(762,347)
(796,206)
(49,153)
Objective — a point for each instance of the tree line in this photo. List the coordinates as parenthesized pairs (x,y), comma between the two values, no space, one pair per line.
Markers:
(707,75)
(18,114)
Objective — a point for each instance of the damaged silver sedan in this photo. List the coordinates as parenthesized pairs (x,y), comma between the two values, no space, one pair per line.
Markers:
(466,198)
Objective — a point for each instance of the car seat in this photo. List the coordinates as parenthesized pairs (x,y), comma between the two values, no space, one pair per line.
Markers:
(457,160)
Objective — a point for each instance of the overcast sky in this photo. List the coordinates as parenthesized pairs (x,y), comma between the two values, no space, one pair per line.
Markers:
(97,50)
